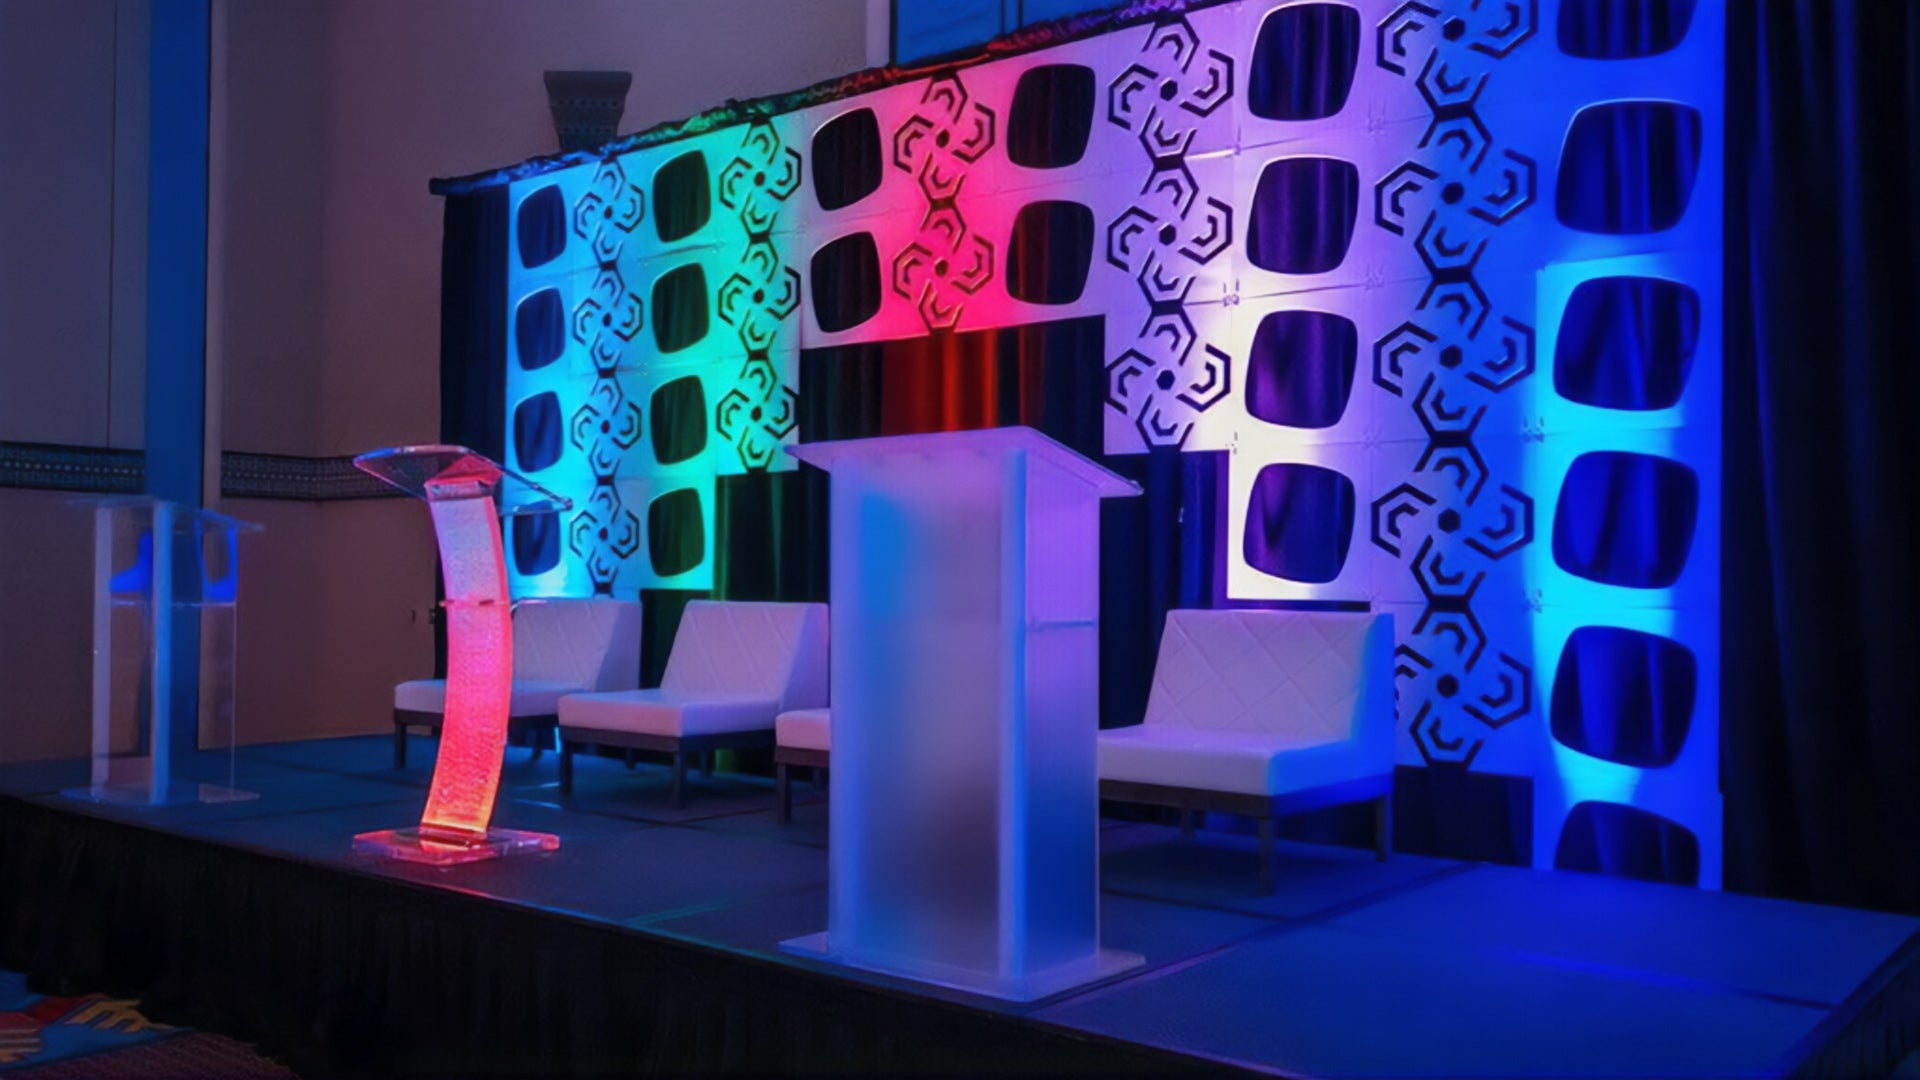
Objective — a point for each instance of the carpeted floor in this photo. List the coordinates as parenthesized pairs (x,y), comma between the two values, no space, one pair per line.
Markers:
(101,1038)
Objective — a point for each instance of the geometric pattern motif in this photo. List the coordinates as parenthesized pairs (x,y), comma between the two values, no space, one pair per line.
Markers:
(1434,130)
(1168,376)
(1453,517)
(606,322)
(945,263)
(761,409)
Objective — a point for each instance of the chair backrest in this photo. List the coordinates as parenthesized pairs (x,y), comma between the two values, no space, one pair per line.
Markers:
(593,644)
(775,651)
(1324,675)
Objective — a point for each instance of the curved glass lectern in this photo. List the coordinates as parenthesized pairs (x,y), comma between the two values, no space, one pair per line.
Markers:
(166,580)
(964,840)
(467,494)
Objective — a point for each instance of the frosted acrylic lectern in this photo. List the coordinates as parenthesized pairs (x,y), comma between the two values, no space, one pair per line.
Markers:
(963,839)
(166,579)
(467,494)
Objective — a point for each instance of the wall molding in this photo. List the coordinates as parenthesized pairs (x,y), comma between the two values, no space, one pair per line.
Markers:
(287,476)
(99,470)
(88,470)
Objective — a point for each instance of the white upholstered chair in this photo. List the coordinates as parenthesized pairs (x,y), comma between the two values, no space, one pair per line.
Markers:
(802,738)
(733,668)
(1263,713)
(559,646)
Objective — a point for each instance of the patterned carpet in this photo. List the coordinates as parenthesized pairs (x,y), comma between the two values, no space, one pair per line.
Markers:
(103,1038)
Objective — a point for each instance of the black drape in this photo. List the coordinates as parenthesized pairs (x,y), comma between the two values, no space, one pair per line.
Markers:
(473,338)
(1155,550)
(473,321)
(1821,604)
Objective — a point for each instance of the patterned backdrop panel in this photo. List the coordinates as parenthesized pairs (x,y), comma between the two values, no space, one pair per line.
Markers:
(1440,277)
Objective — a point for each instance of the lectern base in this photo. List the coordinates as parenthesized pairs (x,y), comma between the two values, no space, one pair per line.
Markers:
(1102,965)
(177,793)
(407,846)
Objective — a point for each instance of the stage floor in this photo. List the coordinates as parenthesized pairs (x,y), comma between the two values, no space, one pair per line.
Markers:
(1352,967)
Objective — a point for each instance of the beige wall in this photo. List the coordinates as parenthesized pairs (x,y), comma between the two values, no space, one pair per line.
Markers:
(329,118)
(56,221)
(46,625)
(72,219)
(332,115)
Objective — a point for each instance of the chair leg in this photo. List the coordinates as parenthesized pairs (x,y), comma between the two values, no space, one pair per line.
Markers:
(399,746)
(1382,827)
(1266,856)
(566,767)
(782,782)
(679,779)
(538,737)
(1186,824)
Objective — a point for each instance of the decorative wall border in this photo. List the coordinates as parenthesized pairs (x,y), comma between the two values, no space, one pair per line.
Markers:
(88,470)
(98,470)
(285,476)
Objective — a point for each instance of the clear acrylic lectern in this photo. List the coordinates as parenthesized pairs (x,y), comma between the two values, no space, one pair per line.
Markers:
(166,579)
(467,494)
(963,840)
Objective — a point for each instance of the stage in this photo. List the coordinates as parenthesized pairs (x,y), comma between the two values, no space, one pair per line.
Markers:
(649,943)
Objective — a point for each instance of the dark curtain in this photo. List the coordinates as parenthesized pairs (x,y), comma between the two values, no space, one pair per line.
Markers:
(473,321)
(1156,550)
(1821,607)
(473,339)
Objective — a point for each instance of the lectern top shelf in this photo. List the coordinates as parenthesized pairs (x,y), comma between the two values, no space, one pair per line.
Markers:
(185,518)
(440,471)
(979,442)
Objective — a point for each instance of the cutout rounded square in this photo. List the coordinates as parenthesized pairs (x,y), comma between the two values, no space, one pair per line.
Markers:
(542,227)
(1051,117)
(676,533)
(1627,343)
(536,543)
(679,414)
(845,279)
(1049,252)
(1624,696)
(536,432)
(680,200)
(1303,215)
(680,308)
(1628,167)
(1626,841)
(1626,519)
(1300,368)
(539,329)
(1299,522)
(847,159)
(1622,29)
(1304,57)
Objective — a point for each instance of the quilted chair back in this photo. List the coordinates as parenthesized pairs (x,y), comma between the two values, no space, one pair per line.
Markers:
(1324,676)
(763,650)
(594,644)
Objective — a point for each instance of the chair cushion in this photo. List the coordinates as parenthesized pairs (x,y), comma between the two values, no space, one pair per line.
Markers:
(531,697)
(678,713)
(803,729)
(1244,762)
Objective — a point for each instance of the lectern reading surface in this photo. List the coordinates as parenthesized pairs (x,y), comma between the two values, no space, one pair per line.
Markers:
(466,494)
(166,578)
